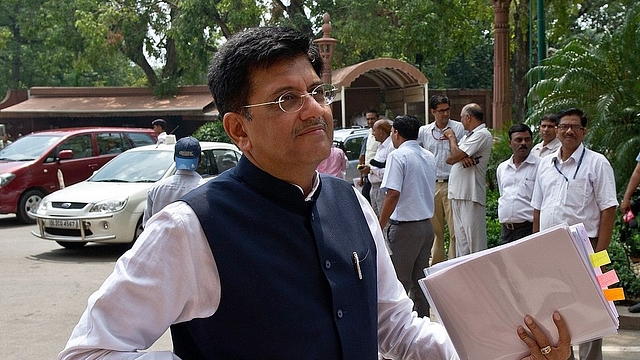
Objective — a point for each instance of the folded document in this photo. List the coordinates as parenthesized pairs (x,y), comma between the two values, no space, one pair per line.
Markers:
(482,298)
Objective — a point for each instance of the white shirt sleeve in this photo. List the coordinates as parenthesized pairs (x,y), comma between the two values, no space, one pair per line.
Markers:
(401,333)
(169,276)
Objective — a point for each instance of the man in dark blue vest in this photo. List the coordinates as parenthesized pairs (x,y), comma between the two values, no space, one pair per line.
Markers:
(270,259)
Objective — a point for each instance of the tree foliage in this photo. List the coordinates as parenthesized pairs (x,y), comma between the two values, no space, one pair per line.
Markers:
(444,34)
(599,75)
(41,46)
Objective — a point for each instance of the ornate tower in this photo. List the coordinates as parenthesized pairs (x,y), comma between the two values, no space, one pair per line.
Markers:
(326,44)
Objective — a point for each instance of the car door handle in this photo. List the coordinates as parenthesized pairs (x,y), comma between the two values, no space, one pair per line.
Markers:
(94,166)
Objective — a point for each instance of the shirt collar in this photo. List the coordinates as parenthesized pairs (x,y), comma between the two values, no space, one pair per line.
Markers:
(576,154)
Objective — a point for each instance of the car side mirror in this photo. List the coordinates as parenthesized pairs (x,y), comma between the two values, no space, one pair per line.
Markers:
(65,154)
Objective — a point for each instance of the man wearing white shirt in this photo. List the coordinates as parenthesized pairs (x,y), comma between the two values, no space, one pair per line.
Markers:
(381,132)
(516,177)
(431,137)
(467,183)
(550,143)
(576,185)
(159,127)
(367,152)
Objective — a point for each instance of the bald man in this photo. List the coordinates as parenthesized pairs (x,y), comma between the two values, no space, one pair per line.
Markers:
(381,130)
(467,184)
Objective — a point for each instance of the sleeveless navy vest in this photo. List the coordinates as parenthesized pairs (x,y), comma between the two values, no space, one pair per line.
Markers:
(289,287)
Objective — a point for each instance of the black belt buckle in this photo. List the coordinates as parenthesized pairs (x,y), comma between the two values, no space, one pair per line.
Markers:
(509,226)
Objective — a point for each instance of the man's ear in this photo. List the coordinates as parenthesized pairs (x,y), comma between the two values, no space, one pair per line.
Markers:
(234,124)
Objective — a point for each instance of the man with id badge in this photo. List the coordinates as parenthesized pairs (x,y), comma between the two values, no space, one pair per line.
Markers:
(576,185)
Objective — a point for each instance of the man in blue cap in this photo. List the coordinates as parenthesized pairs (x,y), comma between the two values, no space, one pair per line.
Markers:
(187,157)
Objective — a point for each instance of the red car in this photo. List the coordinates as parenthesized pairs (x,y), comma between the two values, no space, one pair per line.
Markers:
(45,161)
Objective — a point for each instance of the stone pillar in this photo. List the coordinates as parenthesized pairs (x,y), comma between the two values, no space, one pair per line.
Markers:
(326,44)
(501,70)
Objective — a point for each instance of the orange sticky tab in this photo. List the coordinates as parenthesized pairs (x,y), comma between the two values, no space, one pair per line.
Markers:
(600,258)
(613,294)
(607,279)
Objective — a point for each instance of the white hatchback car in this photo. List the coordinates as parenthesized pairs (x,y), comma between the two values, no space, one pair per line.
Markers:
(108,206)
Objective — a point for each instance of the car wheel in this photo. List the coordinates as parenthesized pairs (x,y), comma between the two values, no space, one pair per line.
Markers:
(72,245)
(29,201)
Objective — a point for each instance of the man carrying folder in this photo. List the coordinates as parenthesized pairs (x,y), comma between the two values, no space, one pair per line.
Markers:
(576,185)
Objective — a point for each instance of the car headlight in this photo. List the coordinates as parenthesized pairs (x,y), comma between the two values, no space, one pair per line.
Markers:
(43,206)
(111,205)
(6,178)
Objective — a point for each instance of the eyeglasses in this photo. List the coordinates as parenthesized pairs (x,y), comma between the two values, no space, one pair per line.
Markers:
(442,111)
(292,101)
(442,137)
(574,127)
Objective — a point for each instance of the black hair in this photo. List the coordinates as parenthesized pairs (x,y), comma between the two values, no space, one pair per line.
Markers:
(373,111)
(519,128)
(436,100)
(160,122)
(573,111)
(407,126)
(232,67)
(550,117)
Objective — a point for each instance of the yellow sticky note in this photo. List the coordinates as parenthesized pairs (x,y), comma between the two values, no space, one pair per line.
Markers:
(600,258)
(613,294)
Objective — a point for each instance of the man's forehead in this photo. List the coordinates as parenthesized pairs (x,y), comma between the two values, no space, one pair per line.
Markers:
(520,134)
(570,119)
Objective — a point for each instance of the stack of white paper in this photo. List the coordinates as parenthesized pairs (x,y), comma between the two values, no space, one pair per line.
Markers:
(482,298)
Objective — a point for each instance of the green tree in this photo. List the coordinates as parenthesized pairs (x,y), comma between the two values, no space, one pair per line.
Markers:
(212,131)
(441,33)
(600,76)
(40,46)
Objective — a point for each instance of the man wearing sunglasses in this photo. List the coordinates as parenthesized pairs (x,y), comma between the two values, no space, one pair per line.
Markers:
(270,260)
(574,185)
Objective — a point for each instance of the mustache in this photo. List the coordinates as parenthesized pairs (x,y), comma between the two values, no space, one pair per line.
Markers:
(315,122)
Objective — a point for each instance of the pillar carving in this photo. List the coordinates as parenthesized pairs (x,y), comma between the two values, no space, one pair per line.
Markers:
(501,70)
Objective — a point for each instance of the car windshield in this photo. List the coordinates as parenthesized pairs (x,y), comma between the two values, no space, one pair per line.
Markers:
(135,166)
(28,147)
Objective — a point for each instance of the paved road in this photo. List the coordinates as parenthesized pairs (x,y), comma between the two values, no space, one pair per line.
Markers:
(44,289)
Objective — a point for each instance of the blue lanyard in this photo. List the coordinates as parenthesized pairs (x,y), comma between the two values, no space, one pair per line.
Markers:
(555,164)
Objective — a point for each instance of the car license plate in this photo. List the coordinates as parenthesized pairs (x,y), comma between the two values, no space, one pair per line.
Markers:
(62,224)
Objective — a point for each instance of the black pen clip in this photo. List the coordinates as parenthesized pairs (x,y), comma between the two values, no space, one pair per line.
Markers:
(356,265)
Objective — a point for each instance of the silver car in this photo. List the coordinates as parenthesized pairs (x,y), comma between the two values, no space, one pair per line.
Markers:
(108,206)
(350,141)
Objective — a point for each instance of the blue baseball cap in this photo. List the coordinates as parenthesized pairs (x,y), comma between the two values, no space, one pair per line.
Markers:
(187,153)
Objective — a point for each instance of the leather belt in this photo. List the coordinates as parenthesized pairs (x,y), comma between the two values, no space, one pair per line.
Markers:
(514,226)
(442,180)
(396,222)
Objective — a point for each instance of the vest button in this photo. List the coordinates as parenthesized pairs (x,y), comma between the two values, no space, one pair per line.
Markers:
(327,264)
(339,313)
(313,217)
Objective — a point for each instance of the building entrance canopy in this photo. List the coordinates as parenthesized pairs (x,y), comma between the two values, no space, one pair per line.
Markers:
(368,84)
